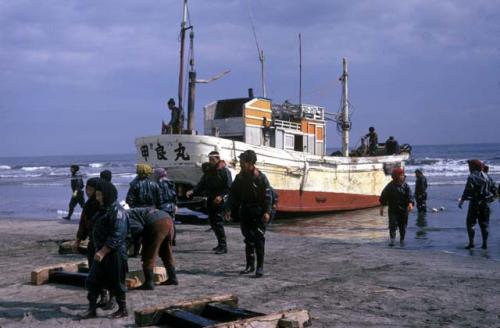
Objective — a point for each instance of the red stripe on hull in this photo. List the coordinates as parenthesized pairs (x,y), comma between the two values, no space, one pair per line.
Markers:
(315,201)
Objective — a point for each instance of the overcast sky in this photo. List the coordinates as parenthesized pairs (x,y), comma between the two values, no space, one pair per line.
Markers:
(87,77)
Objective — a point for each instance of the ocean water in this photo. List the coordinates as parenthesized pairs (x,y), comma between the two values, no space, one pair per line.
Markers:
(38,187)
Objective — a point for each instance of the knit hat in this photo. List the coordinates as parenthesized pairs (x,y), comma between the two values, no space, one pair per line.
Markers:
(159,173)
(106,175)
(248,156)
(396,172)
(109,192)
(144,170)
(92,182)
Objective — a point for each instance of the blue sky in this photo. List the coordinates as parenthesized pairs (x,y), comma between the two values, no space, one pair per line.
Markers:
(87,77)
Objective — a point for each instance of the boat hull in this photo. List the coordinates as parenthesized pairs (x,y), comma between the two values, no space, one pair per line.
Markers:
(305,183)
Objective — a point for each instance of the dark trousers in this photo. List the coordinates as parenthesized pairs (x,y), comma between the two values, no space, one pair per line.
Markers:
(254,229)
(421,202)
(108,274)
(157,241)
(77,200)
(398,221)
(90,253)
(478,213)
(216,219)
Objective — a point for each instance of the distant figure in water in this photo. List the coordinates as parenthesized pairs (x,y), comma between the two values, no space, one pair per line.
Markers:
(479,191)
(372,140)
(421,191)
(106,175)
(397,195)
(77,191)
(391,146)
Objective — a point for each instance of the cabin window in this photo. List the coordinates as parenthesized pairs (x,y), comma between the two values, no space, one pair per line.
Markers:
(229,108)
(289,141)
(299,143)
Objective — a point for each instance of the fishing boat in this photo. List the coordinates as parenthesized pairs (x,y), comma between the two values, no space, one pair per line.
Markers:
(290,143)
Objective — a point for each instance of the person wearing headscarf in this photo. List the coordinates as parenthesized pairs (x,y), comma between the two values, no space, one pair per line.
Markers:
(168,194)
(398,197)
(478,191)
(157,231)
(250,199)
(76,191)
(215,185)
(109,265)
(106,175)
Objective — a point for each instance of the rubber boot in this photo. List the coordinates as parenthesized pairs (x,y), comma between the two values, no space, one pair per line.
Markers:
(471,239)
(91,312)
(484,233)
(105,300)
(172,277)
(122,310)
(250,257)
(259,248)
(148,280)
(391,241)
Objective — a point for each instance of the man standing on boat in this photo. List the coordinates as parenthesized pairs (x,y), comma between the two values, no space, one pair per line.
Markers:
(215,184)
(397,195)
(177,120)
(372,140)
(251,199)
(77,191)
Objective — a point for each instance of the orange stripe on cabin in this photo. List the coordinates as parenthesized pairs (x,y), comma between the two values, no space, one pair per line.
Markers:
(258,113)
(319,133)
(311,128)
(264,104)
(254,121)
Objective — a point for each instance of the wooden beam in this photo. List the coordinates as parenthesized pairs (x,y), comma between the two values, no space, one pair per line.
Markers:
(41,275)
(301,318)
(135,278)
(155,315)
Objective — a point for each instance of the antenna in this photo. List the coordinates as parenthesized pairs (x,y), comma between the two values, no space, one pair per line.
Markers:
(259,52)
(300,69)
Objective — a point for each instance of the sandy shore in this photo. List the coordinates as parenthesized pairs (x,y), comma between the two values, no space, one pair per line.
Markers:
(342,284)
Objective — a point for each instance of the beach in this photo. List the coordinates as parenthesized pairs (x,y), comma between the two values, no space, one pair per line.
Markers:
(342,283)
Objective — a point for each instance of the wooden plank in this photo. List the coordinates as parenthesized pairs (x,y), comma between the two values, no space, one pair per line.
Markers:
(153,315)
(186,319)
(67,247)
(135,278)
(68,278)
(302,318)
(224,312)
(40,276)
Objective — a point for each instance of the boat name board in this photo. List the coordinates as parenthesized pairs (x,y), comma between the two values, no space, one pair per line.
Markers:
(164,152)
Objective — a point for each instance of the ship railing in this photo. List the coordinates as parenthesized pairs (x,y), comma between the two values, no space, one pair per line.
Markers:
(286,125)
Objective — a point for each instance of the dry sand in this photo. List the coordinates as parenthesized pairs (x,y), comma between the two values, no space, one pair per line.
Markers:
(342,284)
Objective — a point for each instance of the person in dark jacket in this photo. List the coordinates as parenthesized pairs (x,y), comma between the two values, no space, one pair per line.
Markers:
(421,191)
(168,195)
(391,146)
(77,191)
(397,195)
(478,191)
(251,198)
(274,204)
(109,266)
(215,185)
(177,119)
(372,141)
(157,230)
(106,175)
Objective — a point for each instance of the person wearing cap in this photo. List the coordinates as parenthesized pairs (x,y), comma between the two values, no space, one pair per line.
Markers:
(77,191)
(421,191)
(398,197)
(177,119)
(478,191)
(106,175)
(250,199)
(215,185)
(109,265)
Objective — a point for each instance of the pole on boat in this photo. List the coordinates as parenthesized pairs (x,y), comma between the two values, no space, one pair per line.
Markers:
(181,64)
(300,70)
(192,85)
(263,73)
(345,110)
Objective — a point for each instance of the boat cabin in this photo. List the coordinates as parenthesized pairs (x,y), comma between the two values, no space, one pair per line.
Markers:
(258,122)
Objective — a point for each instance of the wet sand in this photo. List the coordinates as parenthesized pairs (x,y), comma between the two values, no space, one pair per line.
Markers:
(343,284)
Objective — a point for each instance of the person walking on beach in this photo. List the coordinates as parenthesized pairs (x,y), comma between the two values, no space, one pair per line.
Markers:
(168,195)
(143,192)
(215,185)
(398,197)
(372,140)
(250,199)
(109,265)
(177,119)
(421,191)
(479,192)
(77,191)
(157,231)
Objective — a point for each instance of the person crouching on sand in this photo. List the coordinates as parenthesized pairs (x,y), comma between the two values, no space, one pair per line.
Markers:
(109,266)
(397,195)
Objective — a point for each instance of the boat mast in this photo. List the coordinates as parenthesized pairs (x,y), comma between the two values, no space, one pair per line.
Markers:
(181,64)
(300,70)
(192,84)
(345,110)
